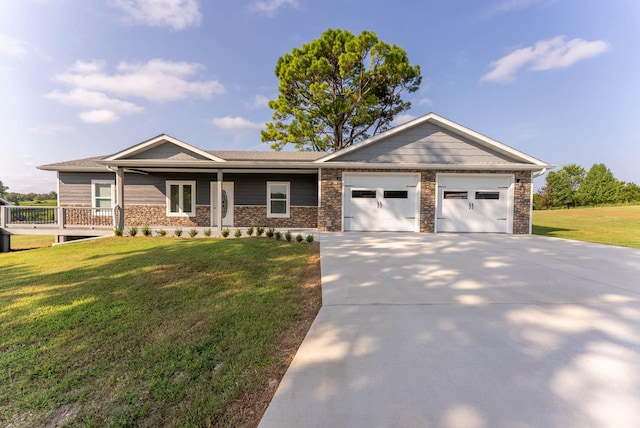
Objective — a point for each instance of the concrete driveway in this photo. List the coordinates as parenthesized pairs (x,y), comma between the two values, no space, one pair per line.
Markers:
(470,330)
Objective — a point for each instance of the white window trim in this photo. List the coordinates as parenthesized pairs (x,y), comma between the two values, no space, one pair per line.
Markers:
(182,212)
(288,200)
(101,211)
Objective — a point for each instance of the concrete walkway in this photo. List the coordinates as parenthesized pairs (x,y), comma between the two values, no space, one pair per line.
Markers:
(468,331)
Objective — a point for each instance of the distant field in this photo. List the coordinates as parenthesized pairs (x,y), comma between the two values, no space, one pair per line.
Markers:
(46,203)
(608,225)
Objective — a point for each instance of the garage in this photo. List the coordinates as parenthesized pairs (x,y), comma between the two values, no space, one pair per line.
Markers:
(381,202)
(475,203)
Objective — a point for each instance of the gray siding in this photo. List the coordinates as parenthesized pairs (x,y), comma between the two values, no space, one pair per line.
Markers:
(251,189)
(75,187)
(427,144)
(167,151)
(140,189)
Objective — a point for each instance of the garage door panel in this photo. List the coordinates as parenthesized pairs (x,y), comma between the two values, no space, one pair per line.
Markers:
(473,203)
(380,202)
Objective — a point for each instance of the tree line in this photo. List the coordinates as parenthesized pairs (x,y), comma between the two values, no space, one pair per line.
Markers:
(16,198)
(573,186)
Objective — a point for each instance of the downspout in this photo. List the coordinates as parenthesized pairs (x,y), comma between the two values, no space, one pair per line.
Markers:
(534,174)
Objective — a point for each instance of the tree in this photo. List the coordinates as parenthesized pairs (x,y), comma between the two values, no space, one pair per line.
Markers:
(627,192)
(3,189)
(563,186)
(338,90)
(599,186)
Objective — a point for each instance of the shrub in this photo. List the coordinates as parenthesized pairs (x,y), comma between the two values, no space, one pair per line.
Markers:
(193,232)
(161,232)
(178,231)
(250,231)
(260,230)
(299,238)
(270,232)
(238,233)
(133,230)
(309,239)
(207,232)
(225,232)
(117,231)
(287,236)
(278,235)
(146,230)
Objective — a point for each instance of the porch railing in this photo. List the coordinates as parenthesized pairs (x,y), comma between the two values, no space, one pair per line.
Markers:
(57,217)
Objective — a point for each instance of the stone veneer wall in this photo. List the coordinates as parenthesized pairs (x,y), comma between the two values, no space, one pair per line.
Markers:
(156,215)
(331,200)
(300,218)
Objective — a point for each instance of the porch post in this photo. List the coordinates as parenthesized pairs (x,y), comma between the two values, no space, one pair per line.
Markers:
(219,201)
(118,213)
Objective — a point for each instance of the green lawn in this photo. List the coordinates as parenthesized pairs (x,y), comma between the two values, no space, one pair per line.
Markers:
(28,242)
(148,331)
(607,225)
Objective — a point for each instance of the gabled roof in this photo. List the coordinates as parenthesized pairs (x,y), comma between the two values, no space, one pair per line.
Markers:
(137,151)
(501,153)
(78,165)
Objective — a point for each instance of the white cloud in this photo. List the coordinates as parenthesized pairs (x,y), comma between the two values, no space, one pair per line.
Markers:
(260,101)
(12,47)
(94,100)
(544,55)
(99,116)
(424,101)
(174,14)
(270,7)
(102,95)
(235,123)
(51,129)
(403,118)
(155,80)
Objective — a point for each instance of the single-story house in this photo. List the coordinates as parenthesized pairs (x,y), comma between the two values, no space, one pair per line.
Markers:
(427,175)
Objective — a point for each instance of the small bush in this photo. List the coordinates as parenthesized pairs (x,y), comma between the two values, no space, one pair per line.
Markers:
(287,236)
(207,232)
(299,238)
(117,231)
(225,232)
(132,231)
(250,231)
(178,231)
(146,230)
(270,232)
(278,235)
(309,239)
(161,232)
(193,232)
(260,230)
(237,233)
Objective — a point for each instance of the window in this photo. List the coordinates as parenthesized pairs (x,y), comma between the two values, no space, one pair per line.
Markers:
(396,194)
(363,194)
(455,195)
(487,195)
(278,198)
(181,200)
(102,196)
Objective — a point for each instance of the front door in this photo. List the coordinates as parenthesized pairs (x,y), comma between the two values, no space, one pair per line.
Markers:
(227,203)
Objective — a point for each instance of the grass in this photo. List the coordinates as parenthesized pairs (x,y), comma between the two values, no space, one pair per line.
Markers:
(150,332)
(28,242)
(605,225)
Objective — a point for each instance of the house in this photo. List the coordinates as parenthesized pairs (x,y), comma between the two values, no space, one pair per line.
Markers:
(427,175)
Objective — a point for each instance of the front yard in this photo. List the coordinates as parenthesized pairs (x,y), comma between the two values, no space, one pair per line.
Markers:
(151,332)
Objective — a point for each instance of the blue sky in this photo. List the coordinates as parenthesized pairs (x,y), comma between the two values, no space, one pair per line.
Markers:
(555,79)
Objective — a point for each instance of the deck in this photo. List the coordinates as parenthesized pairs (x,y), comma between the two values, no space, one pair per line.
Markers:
(62,222)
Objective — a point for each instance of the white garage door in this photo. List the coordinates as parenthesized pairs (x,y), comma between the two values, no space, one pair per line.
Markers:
(475,203)
(381,202)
